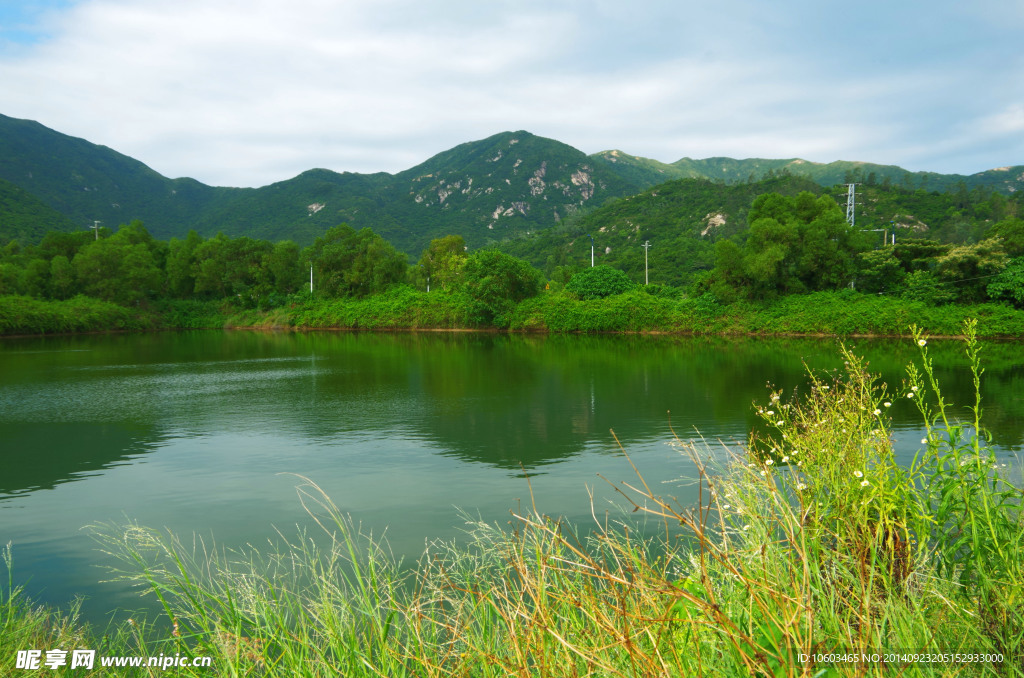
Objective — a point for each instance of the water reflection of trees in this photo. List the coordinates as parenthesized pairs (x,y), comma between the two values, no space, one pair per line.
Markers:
(501,400)
(43,455)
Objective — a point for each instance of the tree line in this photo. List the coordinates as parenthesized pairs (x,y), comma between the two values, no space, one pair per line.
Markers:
(130,267)
(792,245)
(804,244)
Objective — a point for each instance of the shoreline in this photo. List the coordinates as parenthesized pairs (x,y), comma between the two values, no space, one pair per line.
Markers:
(817,315)
(499,330)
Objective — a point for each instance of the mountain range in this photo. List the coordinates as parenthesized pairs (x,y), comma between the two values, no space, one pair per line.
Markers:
(506,185)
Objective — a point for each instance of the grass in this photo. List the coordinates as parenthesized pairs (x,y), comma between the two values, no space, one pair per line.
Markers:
(809,543)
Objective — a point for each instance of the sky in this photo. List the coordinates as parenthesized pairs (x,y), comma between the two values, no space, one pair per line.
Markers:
(249,92)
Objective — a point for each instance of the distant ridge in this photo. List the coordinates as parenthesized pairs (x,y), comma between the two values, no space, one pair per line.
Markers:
(1003,179)
(506,185)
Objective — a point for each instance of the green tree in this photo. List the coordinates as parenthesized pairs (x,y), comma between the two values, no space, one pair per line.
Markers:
(925,286)
(880,271)
(599,282)
(968,268)
(66,244)
(35,278)
(443,260)
(1009,284)
(285,268)
(210,267)
(226,267)
(9,274)
(114,269)
(351,263)
(1011,232)
(497,282)
(793,245)
(62,278)
(181,281)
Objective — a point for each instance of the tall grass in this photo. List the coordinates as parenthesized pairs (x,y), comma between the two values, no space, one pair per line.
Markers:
(810,543)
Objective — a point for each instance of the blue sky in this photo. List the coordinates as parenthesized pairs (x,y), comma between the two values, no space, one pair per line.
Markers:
(248,92)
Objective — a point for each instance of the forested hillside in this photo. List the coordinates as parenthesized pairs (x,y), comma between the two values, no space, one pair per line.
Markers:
(683,220)
(505,186)
(25,217)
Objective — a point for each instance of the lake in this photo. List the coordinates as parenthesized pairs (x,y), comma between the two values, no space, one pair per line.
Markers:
(200,432)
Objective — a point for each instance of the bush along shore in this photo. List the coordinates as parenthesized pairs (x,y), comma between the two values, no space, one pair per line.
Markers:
(809,553)
(844,313)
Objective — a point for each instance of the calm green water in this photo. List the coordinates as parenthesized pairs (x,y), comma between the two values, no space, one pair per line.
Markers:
(197,432)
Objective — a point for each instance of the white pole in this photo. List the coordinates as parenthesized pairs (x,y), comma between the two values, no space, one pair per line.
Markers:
(646,246)
(311,278)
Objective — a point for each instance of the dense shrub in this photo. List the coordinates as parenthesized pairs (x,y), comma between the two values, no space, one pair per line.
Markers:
(599,282)
(497,282)
(25,315)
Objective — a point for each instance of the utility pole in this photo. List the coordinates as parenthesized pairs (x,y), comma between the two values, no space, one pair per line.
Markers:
(646,246)
(311,278)
(591,250)
(96,228)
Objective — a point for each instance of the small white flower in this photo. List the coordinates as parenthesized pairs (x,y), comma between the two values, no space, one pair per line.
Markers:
(864,483)
(799,463)
(785,459)
(770,462)
(746,527)
(779,422)
(725,506)
(921,342)
(775,398)
(801,486)
(859,474)
(764,473)
(770,412)
(877,412)
(825,387)
(910,395)
(887,404)
(924,441)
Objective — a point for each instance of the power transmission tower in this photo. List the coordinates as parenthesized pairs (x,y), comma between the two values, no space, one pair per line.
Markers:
(851,197)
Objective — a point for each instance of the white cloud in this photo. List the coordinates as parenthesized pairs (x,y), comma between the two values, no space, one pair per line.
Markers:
(247,93)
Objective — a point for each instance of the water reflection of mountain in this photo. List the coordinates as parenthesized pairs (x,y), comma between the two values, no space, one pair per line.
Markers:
(43,455)
(507,400)
(500,400)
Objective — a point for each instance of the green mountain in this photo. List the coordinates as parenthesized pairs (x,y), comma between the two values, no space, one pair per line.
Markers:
(25,218)
(1003,179)
(506,186)
(88,183)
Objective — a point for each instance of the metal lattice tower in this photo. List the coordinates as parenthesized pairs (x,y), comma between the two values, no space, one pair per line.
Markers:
(851,192)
